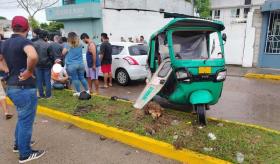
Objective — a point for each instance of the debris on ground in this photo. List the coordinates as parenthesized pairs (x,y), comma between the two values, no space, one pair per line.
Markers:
(175,137)
(208,149)
(175,122)
(102,138)
(153,109)
(179,143)
(212,136)
(200,127)
(69,126)
(240,157)
(220,124)
(82,110)
(152,129)
(139,114)
(128,153)
(44,121)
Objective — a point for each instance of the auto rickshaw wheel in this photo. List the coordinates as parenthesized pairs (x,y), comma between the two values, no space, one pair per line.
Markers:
(201,114)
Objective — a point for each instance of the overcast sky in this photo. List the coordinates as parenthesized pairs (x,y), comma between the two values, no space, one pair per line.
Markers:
(9,9)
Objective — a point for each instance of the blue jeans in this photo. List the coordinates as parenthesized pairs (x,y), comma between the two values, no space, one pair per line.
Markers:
(25,101)
(43,76)
(77,72)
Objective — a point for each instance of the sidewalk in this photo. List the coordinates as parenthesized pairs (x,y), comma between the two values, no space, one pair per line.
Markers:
(65,143)
(264,73)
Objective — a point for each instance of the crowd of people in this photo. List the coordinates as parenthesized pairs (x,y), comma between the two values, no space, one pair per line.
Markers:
(32,68)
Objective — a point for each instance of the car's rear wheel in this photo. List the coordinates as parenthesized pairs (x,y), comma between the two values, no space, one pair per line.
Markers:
(122,77)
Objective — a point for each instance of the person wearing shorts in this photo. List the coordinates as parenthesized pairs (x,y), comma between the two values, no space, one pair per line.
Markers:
(93,63)
(106,60)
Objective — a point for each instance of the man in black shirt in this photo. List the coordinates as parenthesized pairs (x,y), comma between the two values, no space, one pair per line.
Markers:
(44,65)
(106,60)
(21,59)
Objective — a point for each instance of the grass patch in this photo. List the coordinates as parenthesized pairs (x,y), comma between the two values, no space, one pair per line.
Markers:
(258,146)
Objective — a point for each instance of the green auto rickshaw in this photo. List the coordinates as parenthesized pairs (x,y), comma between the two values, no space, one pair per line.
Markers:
(187,64)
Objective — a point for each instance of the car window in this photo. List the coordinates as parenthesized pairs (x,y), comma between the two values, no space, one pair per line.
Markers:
(137,50)
(116,50)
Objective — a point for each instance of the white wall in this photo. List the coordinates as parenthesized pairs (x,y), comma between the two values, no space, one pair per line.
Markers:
(174,6)
(129,23)
(232,3)
(240,31)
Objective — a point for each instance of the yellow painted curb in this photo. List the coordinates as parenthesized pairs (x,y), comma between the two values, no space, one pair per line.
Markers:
(132,139)
(262,76)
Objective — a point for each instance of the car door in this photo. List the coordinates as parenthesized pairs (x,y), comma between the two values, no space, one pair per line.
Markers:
(117,52)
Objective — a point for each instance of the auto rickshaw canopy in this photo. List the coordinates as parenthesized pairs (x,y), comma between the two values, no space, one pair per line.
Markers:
(191,22)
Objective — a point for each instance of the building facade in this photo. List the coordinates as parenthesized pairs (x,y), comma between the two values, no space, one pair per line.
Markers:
(252,29)
(118,18)
(5,28)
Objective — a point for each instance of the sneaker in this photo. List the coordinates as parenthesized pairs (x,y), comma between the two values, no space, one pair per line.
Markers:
(15,149)
(34,155)
(76,94)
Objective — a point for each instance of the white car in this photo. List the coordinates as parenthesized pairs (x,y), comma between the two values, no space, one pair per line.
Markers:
(129,61)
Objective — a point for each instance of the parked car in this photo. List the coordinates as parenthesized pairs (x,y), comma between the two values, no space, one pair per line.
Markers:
(129,61)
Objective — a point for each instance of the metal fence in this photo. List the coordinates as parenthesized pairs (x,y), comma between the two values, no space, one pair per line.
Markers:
(273,34)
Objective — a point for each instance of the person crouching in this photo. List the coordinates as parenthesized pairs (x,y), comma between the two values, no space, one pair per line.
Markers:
(60,78)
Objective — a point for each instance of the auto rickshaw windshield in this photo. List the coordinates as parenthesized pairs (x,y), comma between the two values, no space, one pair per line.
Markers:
(190,45)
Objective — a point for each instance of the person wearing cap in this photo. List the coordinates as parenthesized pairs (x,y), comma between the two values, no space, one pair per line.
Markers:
(60,78)
(93,63)
(106,60)
(21,58)
(44,65)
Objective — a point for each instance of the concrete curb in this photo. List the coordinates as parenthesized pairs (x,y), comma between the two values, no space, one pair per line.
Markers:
(132,139)
(262,76)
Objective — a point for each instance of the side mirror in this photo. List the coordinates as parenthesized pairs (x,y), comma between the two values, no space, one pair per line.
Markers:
(224,37)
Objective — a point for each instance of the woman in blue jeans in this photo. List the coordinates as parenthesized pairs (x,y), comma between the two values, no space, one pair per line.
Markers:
(74,63)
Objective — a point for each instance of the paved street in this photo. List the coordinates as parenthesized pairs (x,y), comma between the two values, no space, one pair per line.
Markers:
(246,100)
(66,144)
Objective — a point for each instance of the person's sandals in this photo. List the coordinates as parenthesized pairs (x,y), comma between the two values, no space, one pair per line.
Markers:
(110,84)
(8,116)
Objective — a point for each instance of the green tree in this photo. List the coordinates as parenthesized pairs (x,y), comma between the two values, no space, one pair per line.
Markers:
(33,23)
(3,18)
(52,26)
(203,8)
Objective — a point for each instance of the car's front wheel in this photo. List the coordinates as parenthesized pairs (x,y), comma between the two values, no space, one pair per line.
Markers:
(122,77)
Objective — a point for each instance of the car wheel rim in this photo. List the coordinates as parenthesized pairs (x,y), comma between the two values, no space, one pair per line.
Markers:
(122,77)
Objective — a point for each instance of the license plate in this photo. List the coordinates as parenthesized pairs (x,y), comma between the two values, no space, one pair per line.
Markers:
(204,70)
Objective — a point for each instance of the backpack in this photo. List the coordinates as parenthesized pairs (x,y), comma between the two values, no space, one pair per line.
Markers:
(84,96)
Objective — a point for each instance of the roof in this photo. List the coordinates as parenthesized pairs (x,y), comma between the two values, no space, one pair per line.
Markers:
(192,22)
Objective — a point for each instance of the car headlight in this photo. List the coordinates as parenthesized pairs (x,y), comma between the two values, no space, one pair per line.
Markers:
(221,76)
